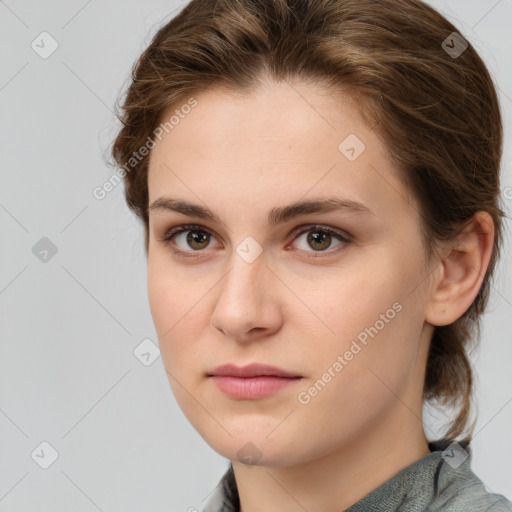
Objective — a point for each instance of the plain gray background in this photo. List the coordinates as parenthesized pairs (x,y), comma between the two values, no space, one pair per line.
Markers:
(69,325)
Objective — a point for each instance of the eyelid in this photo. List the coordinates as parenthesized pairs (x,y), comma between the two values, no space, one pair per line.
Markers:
(304,228)
(343,236)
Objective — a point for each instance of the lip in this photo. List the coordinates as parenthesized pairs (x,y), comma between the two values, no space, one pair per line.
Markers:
(251,382)
(251,370)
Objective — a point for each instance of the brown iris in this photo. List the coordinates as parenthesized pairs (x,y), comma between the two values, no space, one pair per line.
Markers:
(317,240)
(196,238)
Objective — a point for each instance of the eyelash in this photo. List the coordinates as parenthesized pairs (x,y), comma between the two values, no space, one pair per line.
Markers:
(167,239)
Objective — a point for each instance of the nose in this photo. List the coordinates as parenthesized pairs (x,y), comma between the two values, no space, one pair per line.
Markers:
(247,306)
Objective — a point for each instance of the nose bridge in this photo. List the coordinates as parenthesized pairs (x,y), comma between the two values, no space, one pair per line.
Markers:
(245,298)
(242,285)
(248,266)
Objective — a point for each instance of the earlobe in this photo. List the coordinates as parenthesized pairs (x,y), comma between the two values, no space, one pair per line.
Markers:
(462,271)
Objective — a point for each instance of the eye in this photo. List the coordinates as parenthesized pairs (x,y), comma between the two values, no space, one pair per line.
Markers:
(189,236)
(193,238)
(320,238)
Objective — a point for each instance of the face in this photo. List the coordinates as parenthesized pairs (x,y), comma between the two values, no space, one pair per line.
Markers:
(332,295)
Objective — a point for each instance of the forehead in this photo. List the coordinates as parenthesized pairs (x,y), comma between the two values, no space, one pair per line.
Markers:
(286,140)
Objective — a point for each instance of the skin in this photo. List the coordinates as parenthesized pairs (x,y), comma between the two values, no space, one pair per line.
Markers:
(241,156)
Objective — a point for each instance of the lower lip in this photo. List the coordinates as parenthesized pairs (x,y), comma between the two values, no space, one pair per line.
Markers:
(251,387)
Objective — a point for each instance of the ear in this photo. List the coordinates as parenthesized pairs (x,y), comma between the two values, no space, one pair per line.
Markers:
(461,271)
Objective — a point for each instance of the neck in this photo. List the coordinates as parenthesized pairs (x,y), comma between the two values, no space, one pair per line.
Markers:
(341,478)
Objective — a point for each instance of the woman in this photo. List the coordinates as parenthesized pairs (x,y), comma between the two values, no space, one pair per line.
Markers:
(318,183)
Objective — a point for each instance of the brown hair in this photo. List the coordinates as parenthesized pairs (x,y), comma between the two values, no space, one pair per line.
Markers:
(437,113)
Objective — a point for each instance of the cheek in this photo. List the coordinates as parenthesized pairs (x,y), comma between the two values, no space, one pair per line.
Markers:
(171,308)
(373,324)
(171,314)
(162,301)
(171,296)
(351,300)
(354,382)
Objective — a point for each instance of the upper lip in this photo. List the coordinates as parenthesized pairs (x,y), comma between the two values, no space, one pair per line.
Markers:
(252,370)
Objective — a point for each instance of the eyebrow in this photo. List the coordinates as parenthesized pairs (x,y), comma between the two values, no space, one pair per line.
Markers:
(275,216)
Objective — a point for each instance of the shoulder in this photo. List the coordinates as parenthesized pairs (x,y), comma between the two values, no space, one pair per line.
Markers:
(458,489)
(470,498)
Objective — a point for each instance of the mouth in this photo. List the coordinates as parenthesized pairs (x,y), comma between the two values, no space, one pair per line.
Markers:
(254,381)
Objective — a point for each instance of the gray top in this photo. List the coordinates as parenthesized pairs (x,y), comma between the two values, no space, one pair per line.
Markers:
(440,481)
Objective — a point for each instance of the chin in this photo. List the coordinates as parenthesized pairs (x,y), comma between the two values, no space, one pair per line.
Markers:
(254,446)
